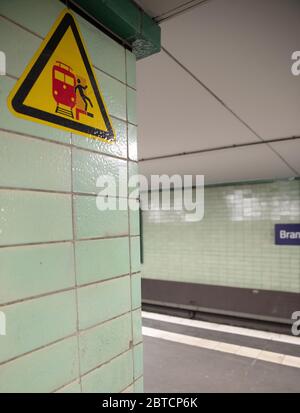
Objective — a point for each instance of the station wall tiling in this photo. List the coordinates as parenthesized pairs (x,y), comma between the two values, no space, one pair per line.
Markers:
(234,243)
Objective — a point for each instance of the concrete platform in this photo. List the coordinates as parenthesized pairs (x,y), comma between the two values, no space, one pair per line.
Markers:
(172,366)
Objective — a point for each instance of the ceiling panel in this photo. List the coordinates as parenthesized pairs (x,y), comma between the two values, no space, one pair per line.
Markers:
(290,151)
(242,50)
(230,165)
(176,114)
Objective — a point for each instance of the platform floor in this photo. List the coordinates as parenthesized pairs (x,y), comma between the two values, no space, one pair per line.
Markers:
(192,356)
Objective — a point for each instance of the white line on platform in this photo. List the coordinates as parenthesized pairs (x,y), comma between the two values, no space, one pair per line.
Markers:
(283,338)
(242,351)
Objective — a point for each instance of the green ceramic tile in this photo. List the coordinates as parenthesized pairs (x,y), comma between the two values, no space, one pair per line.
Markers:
(136,290)
(131,106)
(29,217)
(138,360)
(42,371)
(92,222)
(137,326)
(89,167)
(135,254)
(32,270)
(34,323)
(133,171)
(18,45)
(101,302)
(132,142)
(131,68)
(118,148)
(139,385)
(101,259)
(105,53)
(134,218)
(35,15)
(40,165)
(71,388)
(114,94)
(100,344)
(12,123)
(110,378)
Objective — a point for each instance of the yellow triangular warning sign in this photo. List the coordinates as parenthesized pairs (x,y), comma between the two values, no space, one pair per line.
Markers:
(59,87)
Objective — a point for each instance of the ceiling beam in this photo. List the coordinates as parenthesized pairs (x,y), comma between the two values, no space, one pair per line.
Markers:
(177,11)
(125,20)
(219,148)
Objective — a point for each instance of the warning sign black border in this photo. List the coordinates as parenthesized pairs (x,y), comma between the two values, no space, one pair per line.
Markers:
(38,66)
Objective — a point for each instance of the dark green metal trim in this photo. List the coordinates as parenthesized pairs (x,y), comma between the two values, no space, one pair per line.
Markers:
(141,236)
(127,21)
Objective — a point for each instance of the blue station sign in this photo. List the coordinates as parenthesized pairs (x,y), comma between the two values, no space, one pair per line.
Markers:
(287,234)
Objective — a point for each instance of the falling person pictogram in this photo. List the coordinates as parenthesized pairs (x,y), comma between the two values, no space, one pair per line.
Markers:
(85,98)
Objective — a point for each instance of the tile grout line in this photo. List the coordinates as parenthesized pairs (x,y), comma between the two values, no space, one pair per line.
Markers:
(92,327)
(128,218)
(132,384)
(79,286)
(52,343)
(36,244)
(106,362)
(137,379)
(43,243)
(75,266)
(27,353)
(67,145)
(57,192)
(57,390)
(21,26)
(76,380)
(114,78)
(109,361)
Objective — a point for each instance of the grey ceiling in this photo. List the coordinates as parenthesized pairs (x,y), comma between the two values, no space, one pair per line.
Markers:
(159,9)
(224,78)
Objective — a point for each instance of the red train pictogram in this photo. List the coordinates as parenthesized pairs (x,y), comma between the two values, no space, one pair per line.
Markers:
(63,88)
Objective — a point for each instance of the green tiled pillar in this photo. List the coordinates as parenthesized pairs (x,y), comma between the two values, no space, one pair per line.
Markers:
(69,274)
